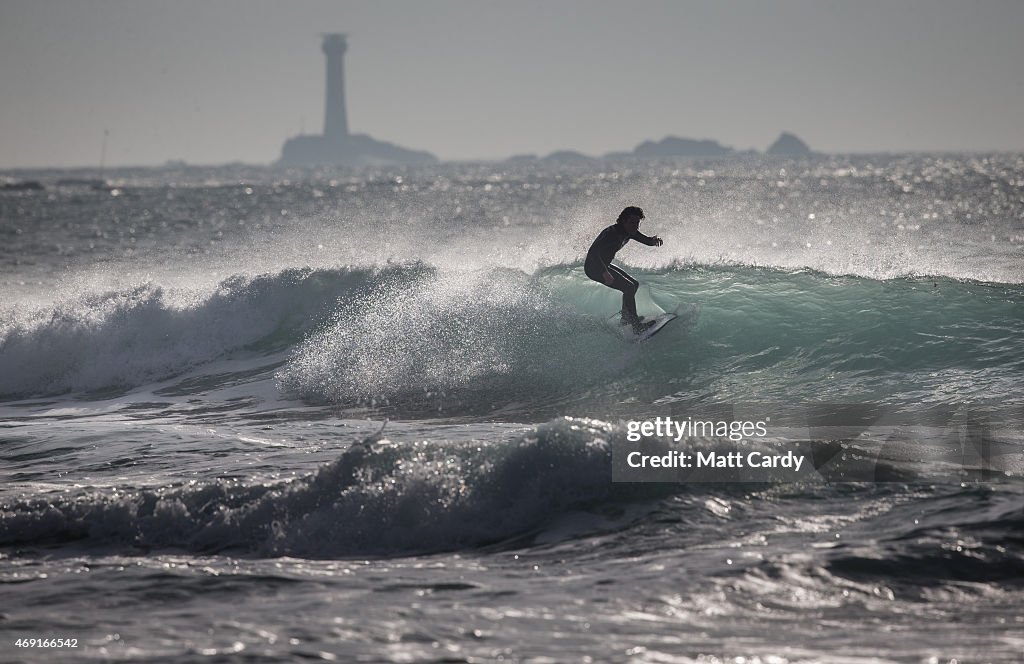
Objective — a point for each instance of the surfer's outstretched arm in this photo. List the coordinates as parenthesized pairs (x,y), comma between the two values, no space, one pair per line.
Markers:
(649,240)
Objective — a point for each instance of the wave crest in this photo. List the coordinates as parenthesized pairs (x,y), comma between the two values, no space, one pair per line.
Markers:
(385,498)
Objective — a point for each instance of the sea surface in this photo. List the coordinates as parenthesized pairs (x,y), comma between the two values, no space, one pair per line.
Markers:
(264,415)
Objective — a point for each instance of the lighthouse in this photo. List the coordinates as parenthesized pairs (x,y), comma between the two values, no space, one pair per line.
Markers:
(335,117)
(336,146)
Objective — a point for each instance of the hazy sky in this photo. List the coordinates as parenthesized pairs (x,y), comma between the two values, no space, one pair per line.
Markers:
(214,81)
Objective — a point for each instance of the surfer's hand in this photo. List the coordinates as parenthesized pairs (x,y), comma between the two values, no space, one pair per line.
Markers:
(608,278)
(657,241)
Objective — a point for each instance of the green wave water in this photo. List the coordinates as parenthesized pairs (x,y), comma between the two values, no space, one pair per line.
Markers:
(540,344)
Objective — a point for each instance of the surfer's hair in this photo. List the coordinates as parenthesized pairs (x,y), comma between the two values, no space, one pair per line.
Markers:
(631,211)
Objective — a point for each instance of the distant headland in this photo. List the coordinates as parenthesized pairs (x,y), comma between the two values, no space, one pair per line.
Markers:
(786,145)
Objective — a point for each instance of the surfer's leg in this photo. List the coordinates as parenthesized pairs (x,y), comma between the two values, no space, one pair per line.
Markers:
(628,285)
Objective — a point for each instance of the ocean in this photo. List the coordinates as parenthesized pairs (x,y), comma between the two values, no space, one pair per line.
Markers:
(264,415)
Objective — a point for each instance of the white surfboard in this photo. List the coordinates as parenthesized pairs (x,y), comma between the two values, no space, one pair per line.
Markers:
(656,326)
(687,314)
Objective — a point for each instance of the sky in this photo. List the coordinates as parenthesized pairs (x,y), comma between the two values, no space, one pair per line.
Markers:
(216,81)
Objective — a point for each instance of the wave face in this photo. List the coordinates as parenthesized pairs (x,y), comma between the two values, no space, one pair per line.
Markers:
(419,340)
(466,341)
(385,499)
(488,341)
(134,336)
(549,483)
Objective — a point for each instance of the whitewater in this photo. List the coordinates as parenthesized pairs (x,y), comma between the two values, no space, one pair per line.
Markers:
(270,415)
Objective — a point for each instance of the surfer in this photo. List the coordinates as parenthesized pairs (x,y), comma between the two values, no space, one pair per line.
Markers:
(598,265)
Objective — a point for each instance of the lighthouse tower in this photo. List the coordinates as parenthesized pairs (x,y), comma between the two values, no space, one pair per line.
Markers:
(336,145)
(335,117)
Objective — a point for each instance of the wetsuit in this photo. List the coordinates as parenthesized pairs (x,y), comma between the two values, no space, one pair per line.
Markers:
(599,259)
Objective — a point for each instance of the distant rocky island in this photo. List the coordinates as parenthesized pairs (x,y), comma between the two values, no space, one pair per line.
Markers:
(349,150)
(672,146)
(786,145)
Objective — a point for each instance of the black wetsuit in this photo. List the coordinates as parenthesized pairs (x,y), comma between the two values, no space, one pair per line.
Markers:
(599,259)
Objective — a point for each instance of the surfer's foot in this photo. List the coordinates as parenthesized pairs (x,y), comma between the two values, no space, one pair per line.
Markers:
(626,321)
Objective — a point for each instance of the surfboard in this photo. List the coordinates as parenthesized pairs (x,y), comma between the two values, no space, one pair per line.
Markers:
(687,314)
(657,325)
